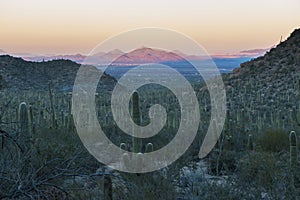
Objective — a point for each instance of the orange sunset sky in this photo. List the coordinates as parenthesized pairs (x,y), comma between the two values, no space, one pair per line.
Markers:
(69,26)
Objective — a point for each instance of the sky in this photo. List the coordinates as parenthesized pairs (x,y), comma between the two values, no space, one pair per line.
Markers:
(68,26)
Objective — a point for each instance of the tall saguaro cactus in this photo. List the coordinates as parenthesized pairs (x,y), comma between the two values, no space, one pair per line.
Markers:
(250,143)
(297,113)
(107,187)
(1,80)
(137,144)
(293,149)
(53,118)
(26,124)
(23,119)
(294,164)
(149,148)
(31,122)
(136,116)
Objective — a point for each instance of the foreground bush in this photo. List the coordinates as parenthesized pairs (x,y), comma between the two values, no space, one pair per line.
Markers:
(274,141)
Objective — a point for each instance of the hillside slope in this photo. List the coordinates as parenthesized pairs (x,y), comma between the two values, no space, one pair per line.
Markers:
(263,91)
(18,74)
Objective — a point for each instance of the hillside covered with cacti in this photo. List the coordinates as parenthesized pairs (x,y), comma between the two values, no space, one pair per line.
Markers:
(264,92)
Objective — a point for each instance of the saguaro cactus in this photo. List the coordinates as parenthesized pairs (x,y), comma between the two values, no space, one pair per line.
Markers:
(123,146)
(136,116)
(137,160)
(297,113)
(1,80)
(250,143)
(294,164)
(293,149)
(107,187)
(25,125)
(149,148)
(23,119)
(53,118)
(31,122)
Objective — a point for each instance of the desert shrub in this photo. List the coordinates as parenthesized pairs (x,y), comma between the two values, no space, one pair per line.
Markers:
(46,168)
(151,185)
(257,169)
(266,173)
(224,192)
(274,141)
(199,187)
(225,163)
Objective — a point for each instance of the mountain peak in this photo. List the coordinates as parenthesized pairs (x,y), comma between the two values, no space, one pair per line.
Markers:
(146,55)
(115,51)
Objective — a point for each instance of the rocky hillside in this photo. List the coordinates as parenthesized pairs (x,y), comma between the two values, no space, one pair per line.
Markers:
(18,74)
(284,58)
(264,91)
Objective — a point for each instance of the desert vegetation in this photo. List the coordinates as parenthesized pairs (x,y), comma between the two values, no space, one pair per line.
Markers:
(256,156)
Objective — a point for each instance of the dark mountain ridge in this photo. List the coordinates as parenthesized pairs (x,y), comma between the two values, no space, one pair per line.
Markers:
(18,74)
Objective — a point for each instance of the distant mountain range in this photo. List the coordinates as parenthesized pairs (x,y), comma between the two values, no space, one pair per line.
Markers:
(137,56)
(76,58)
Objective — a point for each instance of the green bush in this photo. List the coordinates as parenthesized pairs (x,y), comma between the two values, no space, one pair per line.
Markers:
(269,173)
(274,141)
(224,164)
(257,169)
